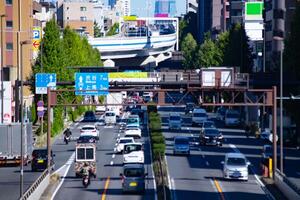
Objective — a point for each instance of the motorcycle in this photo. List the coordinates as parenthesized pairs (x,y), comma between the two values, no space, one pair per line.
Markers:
(85,180)
(67,139)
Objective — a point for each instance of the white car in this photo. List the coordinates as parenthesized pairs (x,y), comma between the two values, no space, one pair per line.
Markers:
(235,166)
(100,110)
(122,141)
(199,116)
(133,131)
(89,130)
(133,153)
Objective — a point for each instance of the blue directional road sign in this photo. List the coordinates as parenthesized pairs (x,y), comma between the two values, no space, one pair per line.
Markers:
(93,82)
(43,80)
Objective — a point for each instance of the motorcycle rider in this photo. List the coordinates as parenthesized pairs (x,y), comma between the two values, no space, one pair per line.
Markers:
(85,171)
(67,135)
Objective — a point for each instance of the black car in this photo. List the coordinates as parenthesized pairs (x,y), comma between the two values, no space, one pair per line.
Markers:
(86,139)
(89,116)
(40,159)
(211,136)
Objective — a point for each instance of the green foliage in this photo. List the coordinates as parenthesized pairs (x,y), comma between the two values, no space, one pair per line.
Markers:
(33,113)
(208,54)
(152,108)
(187,25)
(97,31)
(189,47)
(238,52)
(113,30)
(222,42)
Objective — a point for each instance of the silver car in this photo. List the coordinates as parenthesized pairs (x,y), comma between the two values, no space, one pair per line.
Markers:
(235,166)
(133,178)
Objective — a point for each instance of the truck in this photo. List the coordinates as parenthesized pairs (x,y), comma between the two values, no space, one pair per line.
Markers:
(114,102)
(10,143)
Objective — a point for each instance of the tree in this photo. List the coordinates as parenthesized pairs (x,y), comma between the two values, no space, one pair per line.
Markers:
(222,42)
(97,31)
(189,47)
(113,30)
(208,54)
(238,52)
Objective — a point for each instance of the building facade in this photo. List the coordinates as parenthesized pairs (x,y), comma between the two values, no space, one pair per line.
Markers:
(79,15)
(112,3)
(165,8)
(191,6)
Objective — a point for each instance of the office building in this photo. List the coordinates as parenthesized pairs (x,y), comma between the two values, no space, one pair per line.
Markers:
(191,6)
(112,3)
(165,8)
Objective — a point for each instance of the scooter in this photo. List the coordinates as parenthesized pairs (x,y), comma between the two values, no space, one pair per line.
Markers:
(67,139)
(85,181)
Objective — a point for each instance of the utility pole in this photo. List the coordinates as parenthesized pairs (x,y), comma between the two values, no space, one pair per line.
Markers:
(2,66)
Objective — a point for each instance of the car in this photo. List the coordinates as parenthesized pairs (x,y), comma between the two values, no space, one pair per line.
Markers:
(89,116)
(175,121)
(199,116)
(122,141)
(100,110)
(189,107)
(40,159)
(207,124)
(235,166)
(133,153)
(133,120)
(221,113)
(110,117)
(133,131)
(181,145)
(232,118)
(211,136)
(133,178)
(86,139)
(89,130)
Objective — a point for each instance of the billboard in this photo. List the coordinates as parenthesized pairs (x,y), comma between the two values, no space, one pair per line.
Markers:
(254,10)
(128,75)
(7,105)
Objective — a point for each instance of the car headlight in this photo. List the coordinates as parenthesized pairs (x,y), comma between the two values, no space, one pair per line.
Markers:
(220,136)
(206,137)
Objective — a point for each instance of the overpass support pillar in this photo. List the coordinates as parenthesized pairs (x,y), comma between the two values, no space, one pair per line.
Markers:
(161,97)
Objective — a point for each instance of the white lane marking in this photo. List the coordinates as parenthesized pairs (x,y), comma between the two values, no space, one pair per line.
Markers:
(174,188)
(192,135)
(213,185)
(76,124)
(67,165)
(262,185)
(115,149)
(111,162)
(119,135)
(116,144)
(171,182)
(207,163)
(113,156)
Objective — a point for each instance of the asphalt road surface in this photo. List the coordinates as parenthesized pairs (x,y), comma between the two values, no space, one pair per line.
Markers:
(107,185)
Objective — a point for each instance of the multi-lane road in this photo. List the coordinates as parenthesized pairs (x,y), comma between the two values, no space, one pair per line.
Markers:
(191,177)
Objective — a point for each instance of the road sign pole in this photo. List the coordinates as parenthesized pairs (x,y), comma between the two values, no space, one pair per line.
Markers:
(49,129)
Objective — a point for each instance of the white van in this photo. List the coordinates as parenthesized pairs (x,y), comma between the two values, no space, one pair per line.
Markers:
(199,116)
(175,121)
(110,117)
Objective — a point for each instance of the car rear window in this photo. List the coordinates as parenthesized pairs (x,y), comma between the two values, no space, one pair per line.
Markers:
(134,172)
(88,128)
(132,120)
(182,141)
(125,141)
(211,132)
(130,148)
(110,114)
(200,115)
(175,118)
(236,161)
(88,114)
(40,153)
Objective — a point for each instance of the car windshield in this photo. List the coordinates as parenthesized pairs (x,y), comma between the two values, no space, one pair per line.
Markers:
(132,147)
(132,120)
(133,172)
(110,114)
(211,132)
(232,115)
(175,118)
(182,141)
(88,128)
(209,125)
(125,141)
(89,114)
(199,115)
(236,161)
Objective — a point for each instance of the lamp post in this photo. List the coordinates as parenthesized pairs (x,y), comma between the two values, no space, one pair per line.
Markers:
(2,57)
(281,104)
(22,120)
(42,70)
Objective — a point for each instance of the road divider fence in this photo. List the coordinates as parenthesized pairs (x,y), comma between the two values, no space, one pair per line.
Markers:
(289,189)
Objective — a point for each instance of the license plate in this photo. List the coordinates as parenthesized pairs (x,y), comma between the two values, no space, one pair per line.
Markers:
(40,161)
(133,184)
(236,174)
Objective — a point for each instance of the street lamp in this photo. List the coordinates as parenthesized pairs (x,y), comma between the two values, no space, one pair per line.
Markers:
(281,102)
(42,70)
(2,58)
(22,120)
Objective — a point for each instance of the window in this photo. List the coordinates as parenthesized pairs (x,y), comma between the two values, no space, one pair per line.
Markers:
(82,8)
(9,46)
(9,2)
(83,19)
(9,24)
(68,18)
(6,73)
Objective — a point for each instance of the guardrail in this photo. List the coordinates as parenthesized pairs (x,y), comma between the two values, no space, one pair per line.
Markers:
(288,188)
(37,188)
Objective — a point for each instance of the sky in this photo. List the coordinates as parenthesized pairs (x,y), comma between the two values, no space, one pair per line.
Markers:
(138,7)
